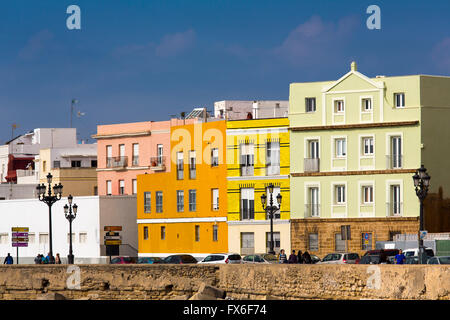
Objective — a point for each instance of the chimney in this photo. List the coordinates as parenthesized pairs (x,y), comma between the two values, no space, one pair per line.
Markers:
(353,66)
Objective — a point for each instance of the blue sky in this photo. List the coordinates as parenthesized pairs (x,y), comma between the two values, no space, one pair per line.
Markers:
(136,60)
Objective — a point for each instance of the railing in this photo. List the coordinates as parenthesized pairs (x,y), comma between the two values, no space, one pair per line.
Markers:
(273,169)
(158,163)
(394,161)
(247,170)
(192,172)
(135,161)
(312,210)
(116,162)
(312,164)
(25,173)
(394,209)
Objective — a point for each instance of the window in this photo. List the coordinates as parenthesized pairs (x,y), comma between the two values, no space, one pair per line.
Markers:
(214,157)
(121,150)
(215,232)
(366,241)
(367,194)
(339,244)
(393,234)
(247,204)
(83,237)
(396,157)
(395,205)
(367,146)
(197,233)
(313,205)
(310,104)
(93,163)
(180,165)
(215,199)
(44,165)
(338,106)
(276,241)
(247,159)
(273,157)
(4,238)
(159,153)
(399,100)
(73,237)
(43,237)
(135,158)
(108,187)
(159,201)
(339,194)
(76,164)
(313,242)
(180,200)
(31,237)
(134,186)
(192,200)
(147,202)
(56,164)
(109,156)
(163,233)
(121,186)
(192,165)
(366,105)
(341,147)
(247,243)
(145,233)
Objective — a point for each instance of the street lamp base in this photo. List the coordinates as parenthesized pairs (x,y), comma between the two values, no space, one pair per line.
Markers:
(70,258)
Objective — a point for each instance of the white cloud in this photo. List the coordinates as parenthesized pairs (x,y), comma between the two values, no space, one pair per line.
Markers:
(36,44)
(441,54)
(173,44)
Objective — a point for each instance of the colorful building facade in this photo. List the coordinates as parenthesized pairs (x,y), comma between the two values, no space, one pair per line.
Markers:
(355,144)
(185,210)
(257,155)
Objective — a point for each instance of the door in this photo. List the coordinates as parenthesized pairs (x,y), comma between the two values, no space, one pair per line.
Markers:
(314,201)
(160,154)
(395,200)
(396,152)
(314,149)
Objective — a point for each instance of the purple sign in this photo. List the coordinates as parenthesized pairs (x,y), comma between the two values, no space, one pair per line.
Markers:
(20,234)
(20,244)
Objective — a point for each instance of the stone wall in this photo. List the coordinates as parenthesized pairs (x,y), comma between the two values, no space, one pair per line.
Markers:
(110,282)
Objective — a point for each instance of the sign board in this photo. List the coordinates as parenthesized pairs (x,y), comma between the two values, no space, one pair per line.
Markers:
(110,233)
(423,234)
(19,236)
(113,242)
(112,228)
(113,237)
(389,245)
(20,229)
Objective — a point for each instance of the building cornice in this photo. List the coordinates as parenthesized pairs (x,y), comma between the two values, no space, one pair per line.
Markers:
(351,173)
(357,126)
(121,135)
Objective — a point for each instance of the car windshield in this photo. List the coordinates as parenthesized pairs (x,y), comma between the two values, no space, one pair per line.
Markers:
(444,260)
(270,257)
(409,254)
(248,258)
(209,258)
(234,257)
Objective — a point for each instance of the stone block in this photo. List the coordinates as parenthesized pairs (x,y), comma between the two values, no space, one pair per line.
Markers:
(211,291)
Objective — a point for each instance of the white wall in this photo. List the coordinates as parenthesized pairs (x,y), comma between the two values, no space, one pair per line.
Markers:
(238,109)
(81,152)
(33,213)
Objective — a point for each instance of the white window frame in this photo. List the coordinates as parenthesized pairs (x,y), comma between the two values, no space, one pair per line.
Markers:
(343,193)
(180,200)
(402,101)
(249,195)
(336,110)
(108,187)
(343,148)
(308,186)
(390,183)
(215,199)
(370,146)
(313,107)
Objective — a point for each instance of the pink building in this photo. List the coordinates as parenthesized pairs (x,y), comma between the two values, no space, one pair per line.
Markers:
(126,150)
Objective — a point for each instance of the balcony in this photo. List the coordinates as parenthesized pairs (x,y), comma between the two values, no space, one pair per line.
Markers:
(135,161)
(247,170)
(158,163)
(394,161)
(192,172)
(312,164)
(312,210)
(117,162)
(273,169)
(394,209)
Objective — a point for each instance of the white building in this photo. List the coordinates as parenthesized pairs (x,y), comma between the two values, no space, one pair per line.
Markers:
(258,109)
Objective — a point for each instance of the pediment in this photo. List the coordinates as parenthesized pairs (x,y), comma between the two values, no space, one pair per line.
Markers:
(352,81)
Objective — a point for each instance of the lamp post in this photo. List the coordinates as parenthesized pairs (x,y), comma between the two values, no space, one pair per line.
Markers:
(271,209)
(421,184)
(70,215)
(50,199)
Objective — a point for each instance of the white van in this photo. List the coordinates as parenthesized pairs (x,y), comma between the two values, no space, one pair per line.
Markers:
(415,252)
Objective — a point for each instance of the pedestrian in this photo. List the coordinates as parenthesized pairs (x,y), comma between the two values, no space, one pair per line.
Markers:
(57,259)
(44,260)
(400,258)
(282,258)
(37,260)
(299,257)
(50,259)
(306,257)
(8,259)
(292,257)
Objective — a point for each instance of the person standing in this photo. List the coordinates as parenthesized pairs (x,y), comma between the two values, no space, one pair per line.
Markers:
(299,257)
(8,259)
(282,258)
(292,257)
(57,259)
(400,258)
(37,260)
(306,257)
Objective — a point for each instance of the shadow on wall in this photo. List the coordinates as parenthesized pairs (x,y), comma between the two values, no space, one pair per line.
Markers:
(436,212)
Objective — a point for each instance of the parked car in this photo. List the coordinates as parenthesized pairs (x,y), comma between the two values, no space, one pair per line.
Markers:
(411,260)
(415,252)
(123,260)
(270,258)
(179,259)
(382,256)
(439,260)
(340,258)
(254,258)
(314,259)
(149,260)
(222,258)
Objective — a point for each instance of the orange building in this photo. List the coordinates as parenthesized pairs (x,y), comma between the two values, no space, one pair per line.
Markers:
(185,210)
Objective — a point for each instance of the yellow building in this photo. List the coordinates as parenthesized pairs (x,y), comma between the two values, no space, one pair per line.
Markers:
(184,210)
(75,168)
(257,155)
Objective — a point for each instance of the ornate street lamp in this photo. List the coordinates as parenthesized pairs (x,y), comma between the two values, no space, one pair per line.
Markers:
(271,209)
(50,199)
(421,184)
(70,215)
